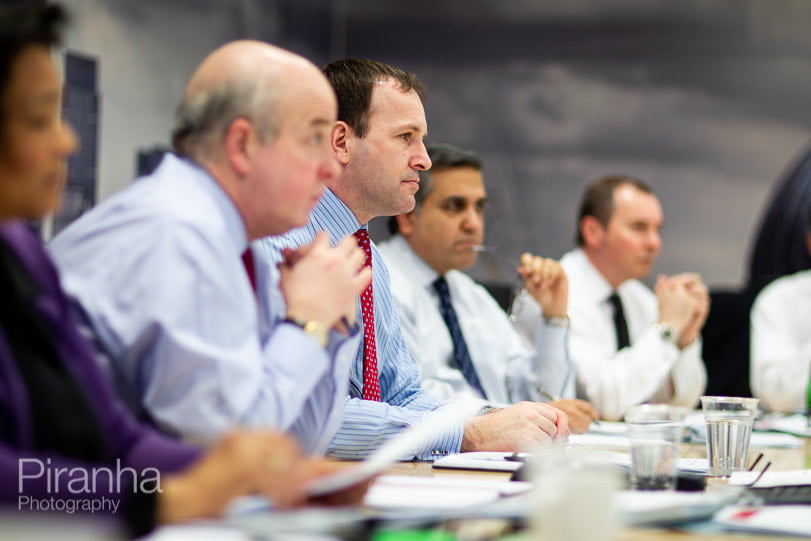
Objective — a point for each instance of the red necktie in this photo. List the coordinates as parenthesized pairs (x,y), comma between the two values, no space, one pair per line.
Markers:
(371,382)
(250,268)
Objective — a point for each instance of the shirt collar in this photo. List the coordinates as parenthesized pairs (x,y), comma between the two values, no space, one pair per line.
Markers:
(175,167)
(332,215)
(413,264)
(601,289)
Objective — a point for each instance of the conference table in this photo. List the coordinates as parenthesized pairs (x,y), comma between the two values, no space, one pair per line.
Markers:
(781,458)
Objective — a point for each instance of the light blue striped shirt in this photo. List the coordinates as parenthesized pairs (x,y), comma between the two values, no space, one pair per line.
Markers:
(156,271)
(367,424)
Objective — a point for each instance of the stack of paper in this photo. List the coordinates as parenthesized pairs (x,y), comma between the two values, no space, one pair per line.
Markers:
(408,492)
(790,424)
(781,519)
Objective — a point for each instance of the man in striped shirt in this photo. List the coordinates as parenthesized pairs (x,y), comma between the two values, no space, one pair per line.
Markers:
(378,142)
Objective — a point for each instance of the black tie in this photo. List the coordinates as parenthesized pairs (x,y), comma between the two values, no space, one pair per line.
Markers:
(620,325)
(461,355)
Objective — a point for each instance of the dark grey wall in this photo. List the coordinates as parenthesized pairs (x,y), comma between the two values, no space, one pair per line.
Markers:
(708,100)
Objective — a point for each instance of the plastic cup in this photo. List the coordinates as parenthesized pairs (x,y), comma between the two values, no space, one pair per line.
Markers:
(655,432)
(729,427)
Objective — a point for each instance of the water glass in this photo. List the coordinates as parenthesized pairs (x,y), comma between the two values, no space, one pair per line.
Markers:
(729,426)
(655,432)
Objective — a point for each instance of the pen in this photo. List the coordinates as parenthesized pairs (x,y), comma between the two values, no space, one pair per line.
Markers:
(547,395)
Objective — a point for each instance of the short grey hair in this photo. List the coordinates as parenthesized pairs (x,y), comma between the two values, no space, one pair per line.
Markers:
(202,119)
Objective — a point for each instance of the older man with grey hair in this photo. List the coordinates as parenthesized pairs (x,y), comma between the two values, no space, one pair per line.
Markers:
(200,335)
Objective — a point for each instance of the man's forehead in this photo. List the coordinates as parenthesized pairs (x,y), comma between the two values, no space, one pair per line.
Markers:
(394,106)
(631,201)
(464,182)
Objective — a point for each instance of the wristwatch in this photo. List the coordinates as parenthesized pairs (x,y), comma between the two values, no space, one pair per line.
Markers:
(557,321)
(486,409)
(314,329)
(666,333)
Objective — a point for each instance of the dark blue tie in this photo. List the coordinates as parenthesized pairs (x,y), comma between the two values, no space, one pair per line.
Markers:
(620,326)
(461,355)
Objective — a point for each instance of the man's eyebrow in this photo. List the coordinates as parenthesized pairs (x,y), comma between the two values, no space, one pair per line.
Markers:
(320,122)
(409,127)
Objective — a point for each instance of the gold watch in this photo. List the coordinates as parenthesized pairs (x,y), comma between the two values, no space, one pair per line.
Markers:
(314,329)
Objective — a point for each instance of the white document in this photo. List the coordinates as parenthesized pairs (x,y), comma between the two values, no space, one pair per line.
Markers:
(644,507)
(409,442)
(590,439)
(613,428)
(409,492)
(782,519)
(497,461)
(772,478)
(796,424)
(480,460)
(771,439)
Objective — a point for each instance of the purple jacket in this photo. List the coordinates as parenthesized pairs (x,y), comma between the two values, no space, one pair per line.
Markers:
(137,446)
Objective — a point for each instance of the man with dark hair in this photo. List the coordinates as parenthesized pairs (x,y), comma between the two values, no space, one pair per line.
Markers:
(202,334)
(464,342)
(379,177)
(628,345)
(781,341)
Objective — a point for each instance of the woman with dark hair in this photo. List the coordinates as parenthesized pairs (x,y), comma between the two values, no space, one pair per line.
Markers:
(64,435)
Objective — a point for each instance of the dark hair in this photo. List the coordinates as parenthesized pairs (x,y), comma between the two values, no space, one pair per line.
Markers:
(353,80)
(24,25)
(598,200)
(443,156)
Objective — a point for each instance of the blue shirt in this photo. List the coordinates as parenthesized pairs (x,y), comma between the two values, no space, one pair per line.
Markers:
(367,424)
(157,272)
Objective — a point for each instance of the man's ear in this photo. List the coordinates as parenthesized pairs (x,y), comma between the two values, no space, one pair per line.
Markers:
(592,230)
(808,242)
(239,145)
(405,223)
(340,141)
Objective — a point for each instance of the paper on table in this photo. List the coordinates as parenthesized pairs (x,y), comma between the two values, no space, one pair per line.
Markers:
(698,431)
(784,519)
(408,492)
(646,507)
(409,442)
(590,439)
(770,439)
(772,478)
(496,461)
(796,424)
(481,460)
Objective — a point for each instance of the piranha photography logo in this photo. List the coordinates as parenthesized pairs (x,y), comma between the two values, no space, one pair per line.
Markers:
(43,486)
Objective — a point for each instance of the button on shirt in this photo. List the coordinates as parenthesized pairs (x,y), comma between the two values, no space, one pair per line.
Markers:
(158,274)
(508,367)
(368,424)
(615,380)
(781,343)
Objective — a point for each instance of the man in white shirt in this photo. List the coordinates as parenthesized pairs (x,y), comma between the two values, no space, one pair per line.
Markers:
(476,351)
(628,345)
(781,341)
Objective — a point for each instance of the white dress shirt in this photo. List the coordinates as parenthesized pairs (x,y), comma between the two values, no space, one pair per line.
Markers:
(156,270)
(508,367)
(781,343)
(652,369)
